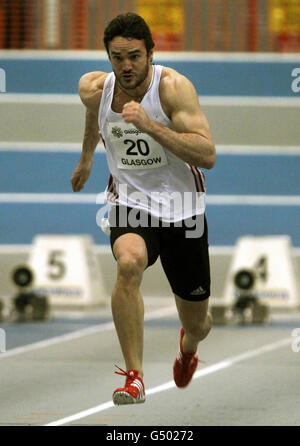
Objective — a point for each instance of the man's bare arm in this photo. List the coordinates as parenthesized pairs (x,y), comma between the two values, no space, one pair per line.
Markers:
(90,88)
(190,139)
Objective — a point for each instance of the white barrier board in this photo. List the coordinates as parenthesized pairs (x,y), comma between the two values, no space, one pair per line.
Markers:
(66,269)
(271,259)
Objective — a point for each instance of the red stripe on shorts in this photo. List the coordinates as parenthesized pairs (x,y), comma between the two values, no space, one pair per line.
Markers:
(197,183)
(201,178)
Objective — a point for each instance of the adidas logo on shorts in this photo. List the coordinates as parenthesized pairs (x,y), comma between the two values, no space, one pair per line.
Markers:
(198,291)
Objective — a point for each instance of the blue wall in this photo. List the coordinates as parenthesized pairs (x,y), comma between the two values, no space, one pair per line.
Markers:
(216,78)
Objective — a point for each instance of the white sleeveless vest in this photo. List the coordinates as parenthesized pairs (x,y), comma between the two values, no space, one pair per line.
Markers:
(144,174)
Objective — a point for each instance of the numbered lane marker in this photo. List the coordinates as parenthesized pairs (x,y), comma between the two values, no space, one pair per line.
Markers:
(67,270)
(270,260)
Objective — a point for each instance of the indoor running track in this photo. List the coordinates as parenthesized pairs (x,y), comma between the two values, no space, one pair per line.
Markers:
(61,373)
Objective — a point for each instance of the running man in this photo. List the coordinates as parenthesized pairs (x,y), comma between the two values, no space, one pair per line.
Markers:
(156,139)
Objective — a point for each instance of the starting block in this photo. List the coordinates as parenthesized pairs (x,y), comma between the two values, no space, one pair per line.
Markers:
(261,276)
(66,270)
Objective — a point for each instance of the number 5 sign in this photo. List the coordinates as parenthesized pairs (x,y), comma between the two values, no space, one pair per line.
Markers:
(66,270)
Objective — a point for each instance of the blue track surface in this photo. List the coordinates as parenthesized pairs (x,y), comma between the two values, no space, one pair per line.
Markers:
(50,172)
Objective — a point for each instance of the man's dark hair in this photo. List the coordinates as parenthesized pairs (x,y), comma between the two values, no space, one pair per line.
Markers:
(128,25)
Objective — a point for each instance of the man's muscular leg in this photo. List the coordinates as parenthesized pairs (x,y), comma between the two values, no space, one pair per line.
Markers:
(127,304)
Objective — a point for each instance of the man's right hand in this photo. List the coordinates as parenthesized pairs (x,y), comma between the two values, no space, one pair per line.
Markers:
(81,175)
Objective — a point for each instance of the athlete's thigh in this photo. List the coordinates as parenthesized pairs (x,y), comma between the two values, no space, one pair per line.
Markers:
(139,241)
(186,264)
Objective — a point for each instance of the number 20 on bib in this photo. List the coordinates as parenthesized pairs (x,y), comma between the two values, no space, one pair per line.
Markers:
(135,149)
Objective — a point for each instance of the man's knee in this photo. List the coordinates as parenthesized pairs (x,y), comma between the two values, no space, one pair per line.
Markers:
(131,254)
(131,266)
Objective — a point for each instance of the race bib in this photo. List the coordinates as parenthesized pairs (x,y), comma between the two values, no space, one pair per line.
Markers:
(135,149)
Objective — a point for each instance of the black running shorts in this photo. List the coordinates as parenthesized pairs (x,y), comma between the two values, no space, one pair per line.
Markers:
(185,260)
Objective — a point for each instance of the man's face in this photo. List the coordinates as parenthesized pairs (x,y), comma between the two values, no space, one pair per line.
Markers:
(129,61)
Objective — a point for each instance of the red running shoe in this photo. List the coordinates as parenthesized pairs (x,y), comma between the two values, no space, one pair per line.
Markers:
(184,366)
(133,392)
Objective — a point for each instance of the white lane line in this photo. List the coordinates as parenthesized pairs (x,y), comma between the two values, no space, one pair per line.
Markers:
(250,101)
(234,101)
(216,250)
(225,200)
(170,384)
(254,200)
(57,340)
(48,198)
(156,314)
(254,150)
(47,147)
(40,98)
(192,56)
(44,147)
(97,55)
(67,147)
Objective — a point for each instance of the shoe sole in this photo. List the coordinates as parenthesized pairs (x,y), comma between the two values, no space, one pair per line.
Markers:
(121,398)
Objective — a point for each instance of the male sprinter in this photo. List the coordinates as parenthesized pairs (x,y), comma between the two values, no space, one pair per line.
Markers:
(156,139)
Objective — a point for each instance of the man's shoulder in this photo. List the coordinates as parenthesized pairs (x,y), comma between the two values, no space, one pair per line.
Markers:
(172,83)
(93,80)
(171,77)
(91,86)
